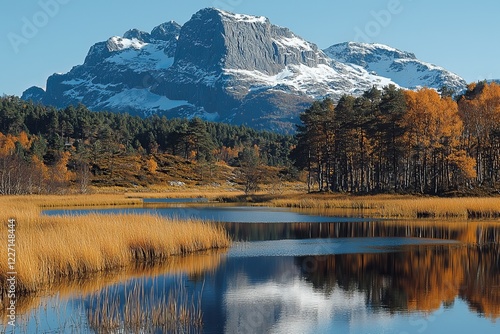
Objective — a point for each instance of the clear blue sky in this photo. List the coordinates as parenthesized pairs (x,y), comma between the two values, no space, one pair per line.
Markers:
(461,36)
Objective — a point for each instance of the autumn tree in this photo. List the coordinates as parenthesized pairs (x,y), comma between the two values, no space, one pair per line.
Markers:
(390,140)
(433,130)
(479,110)
(152,165)
(21,171)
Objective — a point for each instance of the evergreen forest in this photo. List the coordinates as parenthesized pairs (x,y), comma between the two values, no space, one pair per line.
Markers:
(384,141)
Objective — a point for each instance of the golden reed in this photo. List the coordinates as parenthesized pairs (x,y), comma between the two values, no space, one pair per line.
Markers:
(51,249)
(401,206)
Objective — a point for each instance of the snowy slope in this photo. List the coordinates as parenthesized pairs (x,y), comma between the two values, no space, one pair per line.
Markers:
(233,68)
(400,66)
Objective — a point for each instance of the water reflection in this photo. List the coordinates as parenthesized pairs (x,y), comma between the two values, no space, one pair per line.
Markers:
(329,293)
(193,266)
(421,279)
(335,275)
(467,232)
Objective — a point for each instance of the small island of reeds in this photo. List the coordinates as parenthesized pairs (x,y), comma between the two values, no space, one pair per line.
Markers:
(51,249)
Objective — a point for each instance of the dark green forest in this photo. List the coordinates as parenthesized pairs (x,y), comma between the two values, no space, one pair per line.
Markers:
(385,141)
(50,147)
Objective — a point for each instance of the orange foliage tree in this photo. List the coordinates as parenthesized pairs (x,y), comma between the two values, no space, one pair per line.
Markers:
(152,165)
(479,109)
(433,130)
(20,171)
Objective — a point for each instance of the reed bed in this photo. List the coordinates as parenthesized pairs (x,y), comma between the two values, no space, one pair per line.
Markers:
(141,310)
(402,207)
(52,249)
(192,264)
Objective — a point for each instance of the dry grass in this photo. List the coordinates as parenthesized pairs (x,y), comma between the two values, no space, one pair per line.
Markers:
(51,249)
(140,310)
(401,206)
(191,264)
(35,202)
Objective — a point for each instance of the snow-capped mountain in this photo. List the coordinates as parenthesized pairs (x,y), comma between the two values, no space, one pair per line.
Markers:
(220,66)
(401,67)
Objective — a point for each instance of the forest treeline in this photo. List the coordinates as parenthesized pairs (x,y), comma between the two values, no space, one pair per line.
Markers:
(389,140)
(403,141)
(44,149)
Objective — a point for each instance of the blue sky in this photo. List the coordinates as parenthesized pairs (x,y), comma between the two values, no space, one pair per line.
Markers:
(41,37)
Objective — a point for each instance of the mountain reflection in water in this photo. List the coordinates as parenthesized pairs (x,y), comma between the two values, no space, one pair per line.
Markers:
(271,295)
(342,275)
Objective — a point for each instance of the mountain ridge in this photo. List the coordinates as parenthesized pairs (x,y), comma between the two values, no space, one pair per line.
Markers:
(220,66)
(391,62)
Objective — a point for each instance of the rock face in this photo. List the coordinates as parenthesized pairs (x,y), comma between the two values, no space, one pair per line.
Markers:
(219,66)
(116,74)
(401,67)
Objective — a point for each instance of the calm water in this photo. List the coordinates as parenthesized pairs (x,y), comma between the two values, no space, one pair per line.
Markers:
(218,213)
(291,272)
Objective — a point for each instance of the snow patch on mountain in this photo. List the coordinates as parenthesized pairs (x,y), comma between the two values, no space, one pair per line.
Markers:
(238,68)
(400,66)
(242,17)
(316,82)
(148,57)
(117,43)
(294,42)
(142,99)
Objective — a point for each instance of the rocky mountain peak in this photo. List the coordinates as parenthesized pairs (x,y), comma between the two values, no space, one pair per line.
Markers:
(363,53)
(217,39)
(233,68)
(402,67)
(137,34)
(167,31)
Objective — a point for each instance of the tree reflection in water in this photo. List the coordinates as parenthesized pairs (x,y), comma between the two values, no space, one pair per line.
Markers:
(418,278)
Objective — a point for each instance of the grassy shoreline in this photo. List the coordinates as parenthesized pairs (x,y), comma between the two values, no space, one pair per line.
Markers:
(51,249)
(396,206)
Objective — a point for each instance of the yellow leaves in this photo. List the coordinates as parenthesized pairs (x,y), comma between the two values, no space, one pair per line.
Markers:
(481,110)
(152,165)
(7,144)
(227,153)
(464,163)
(489,101)
(60,172)
(431,121)
(24,140)
(40,166)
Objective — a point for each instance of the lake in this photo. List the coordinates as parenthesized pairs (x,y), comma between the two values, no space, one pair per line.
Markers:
(300,272)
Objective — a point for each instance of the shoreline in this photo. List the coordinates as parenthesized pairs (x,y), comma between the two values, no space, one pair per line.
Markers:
(52,249)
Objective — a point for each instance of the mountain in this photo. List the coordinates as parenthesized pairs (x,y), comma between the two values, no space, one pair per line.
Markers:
(116,74)
(401,67)
(219,66)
